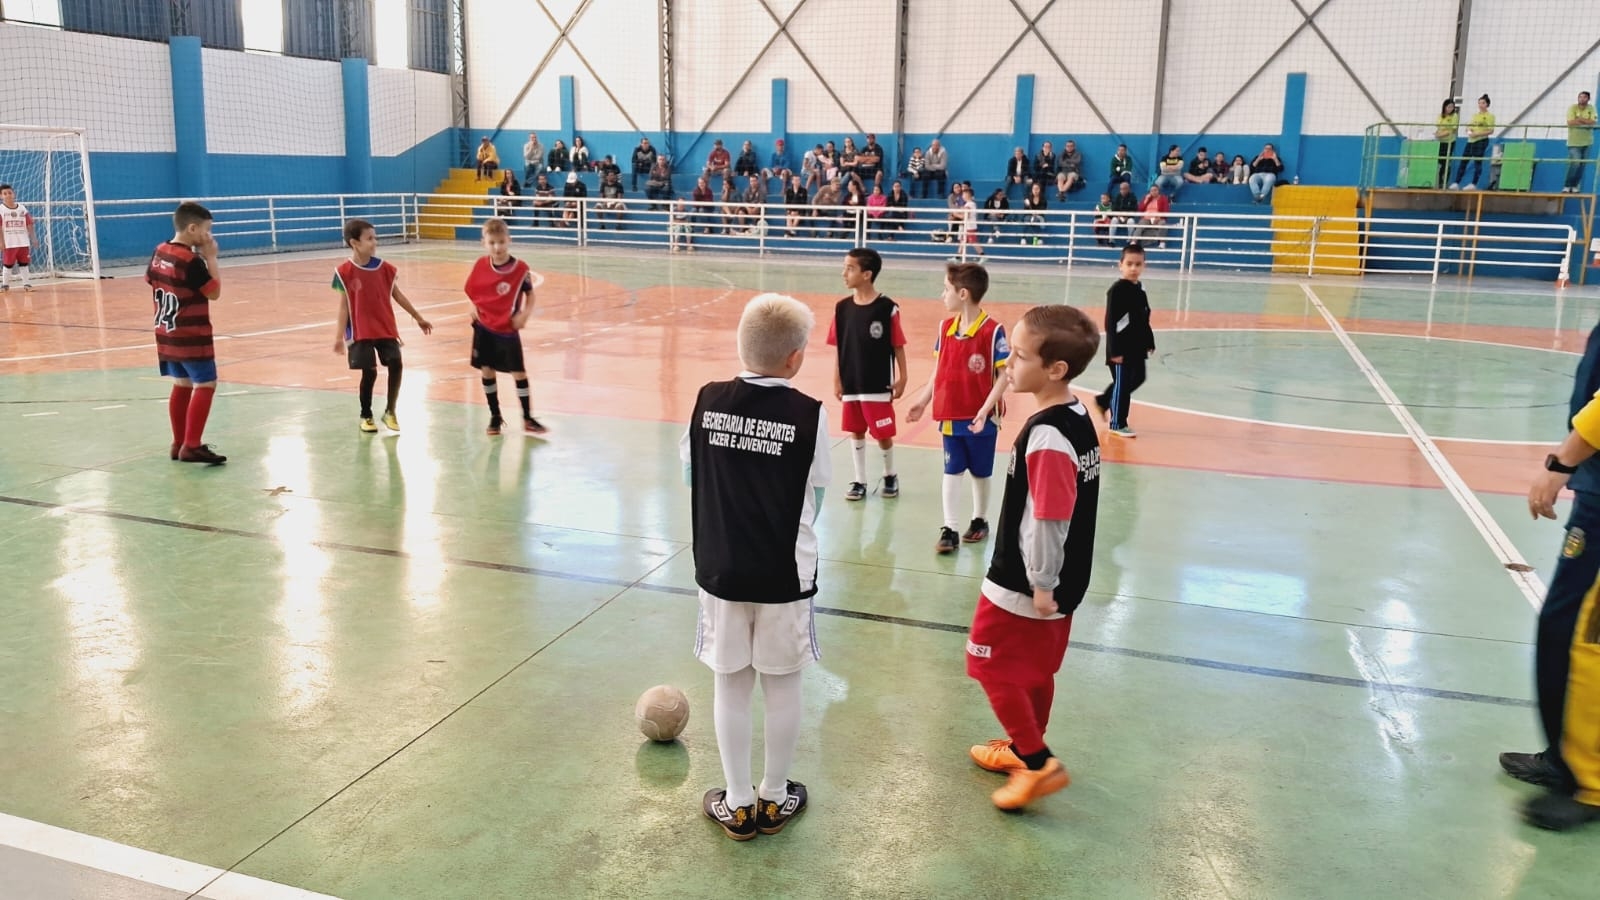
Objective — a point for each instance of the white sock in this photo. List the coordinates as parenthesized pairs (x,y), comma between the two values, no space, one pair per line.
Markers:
(780,695)
(952,499)
(24,271)
(858,455)
(5,276)
(731,713)
(888,460)
(980,498)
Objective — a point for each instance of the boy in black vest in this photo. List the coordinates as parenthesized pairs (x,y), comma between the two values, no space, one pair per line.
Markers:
(1043,550)
(756,457)
(871,373)
(1129,341)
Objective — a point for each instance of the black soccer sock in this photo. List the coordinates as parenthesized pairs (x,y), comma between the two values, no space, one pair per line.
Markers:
(491,392)
(369,377)
(394,386)
(1036,761)
(524,396)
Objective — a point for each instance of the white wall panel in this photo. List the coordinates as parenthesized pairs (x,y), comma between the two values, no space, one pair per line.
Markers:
(407,108)
(1517,48)
(120,90)
(273,105)
(1111,50)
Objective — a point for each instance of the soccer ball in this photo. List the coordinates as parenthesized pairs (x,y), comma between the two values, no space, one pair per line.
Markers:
(662,712)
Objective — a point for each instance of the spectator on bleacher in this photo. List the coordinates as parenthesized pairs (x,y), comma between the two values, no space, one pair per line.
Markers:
(1221,172)
(702,198)
(506,207)
(1200,169)
(747,164)
(573,191)
(644,159)
(899,204)
(936,168)
(559,158)
(544,200)
(828,164)
(1153,220)
(755,197)
(811,166)
(1126,204)
(847,159)
(1169,168)
(1478,131)
(1580,137)
(732,209)
(877,205)
(996,210)
(1446,132)
(1239,171)
(827,220)
(659,185)
(488,160)
(779,166)
(1069,174)
(532,158)
(1102,221)
(611,204)
(1033,207)
(1264,172)
(718,161)
(607,166)
(914,165)
(855,194)
(869,162)
(1121,170)
(795,202)
(1044,164)
(957,216)
(1017,169)
(579,155)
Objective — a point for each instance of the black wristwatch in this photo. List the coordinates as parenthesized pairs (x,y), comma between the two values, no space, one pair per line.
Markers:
(1551,464)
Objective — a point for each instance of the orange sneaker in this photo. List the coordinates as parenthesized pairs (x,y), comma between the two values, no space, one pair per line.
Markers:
(996,756)
(1027,785)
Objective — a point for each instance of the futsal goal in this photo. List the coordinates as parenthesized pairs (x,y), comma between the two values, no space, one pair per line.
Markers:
(49,170)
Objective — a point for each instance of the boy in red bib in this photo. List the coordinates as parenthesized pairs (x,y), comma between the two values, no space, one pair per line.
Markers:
(367,332)
(501,290)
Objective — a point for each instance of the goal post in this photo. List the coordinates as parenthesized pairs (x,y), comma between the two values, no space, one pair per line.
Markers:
(49,170)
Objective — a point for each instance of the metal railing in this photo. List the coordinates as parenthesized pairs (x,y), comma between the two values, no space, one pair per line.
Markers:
(1186,241)
(1407,155)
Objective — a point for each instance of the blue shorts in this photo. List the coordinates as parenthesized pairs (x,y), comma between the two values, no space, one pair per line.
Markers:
(197,372)
(968,452)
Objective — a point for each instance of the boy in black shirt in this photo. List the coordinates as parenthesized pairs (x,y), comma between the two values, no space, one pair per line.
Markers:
(756,459)
(1043,551)
(1129,341)
(871,373)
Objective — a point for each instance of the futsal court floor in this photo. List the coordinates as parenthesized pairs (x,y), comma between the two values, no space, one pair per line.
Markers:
(404,666)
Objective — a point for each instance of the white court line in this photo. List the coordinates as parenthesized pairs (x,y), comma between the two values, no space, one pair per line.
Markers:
(1527,581)
(132,863)
(36,415)
(112,406)
(231,393)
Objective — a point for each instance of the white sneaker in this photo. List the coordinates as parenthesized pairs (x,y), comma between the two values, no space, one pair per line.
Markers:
(1469,187)
(1453,187)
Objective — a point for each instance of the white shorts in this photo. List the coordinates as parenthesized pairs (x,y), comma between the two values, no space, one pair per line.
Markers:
(774,638)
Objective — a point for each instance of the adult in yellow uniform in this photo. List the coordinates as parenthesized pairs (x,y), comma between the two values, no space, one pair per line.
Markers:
(1445,133)
(1580,137)
(1477,146)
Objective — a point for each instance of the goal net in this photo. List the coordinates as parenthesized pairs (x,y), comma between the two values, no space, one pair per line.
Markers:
(49,170)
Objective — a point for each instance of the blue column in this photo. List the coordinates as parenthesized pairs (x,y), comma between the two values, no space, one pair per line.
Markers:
(780,110)
(1022,117)
(189,116)
(1294,113)
(569,108)
(357,127)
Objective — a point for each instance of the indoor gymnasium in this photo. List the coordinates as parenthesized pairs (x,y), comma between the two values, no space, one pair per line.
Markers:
(998,448)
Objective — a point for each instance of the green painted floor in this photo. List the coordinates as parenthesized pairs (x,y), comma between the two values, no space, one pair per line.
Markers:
(405,667)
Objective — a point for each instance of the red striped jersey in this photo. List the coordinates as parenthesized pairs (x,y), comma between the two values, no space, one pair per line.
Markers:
(968,364)
(368,291)
(499,292)
(182,288)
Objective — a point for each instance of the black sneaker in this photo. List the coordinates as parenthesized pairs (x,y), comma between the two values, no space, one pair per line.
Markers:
(738,822)
(1535,769)
(1558,812)
(494,426)
(855,491)
(771,815)
(176,449)
(530,425)
(201,454)
(948,541)
(890,489)
(977,531)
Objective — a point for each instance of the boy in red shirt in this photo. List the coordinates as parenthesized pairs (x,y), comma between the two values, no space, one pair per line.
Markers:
(969,377)
(183,281)
(871,370)
(367,332)
(501,290)
(1043,552)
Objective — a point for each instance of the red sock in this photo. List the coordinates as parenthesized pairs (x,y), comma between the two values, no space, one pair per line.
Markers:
(178,410)
(199,409)
(1041,697)
(1013,706)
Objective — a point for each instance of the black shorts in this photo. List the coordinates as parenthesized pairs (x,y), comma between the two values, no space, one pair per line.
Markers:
(500,352)
(367,354)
